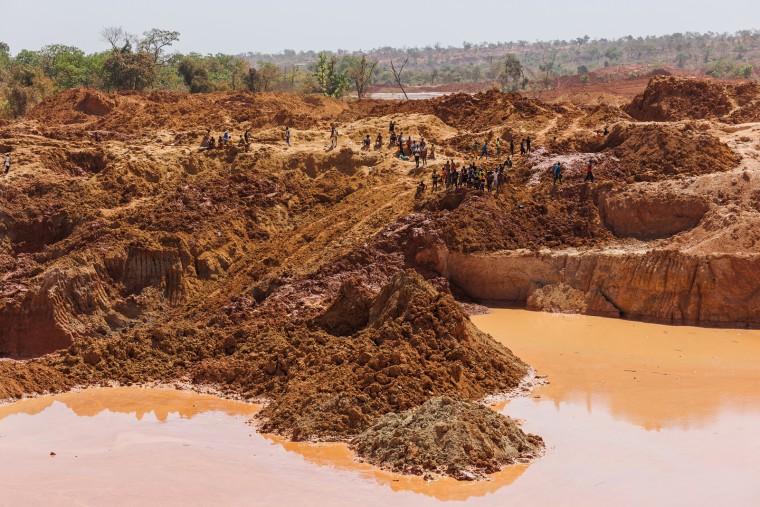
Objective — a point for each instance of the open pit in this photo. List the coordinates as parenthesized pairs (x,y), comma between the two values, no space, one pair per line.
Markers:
(316,279)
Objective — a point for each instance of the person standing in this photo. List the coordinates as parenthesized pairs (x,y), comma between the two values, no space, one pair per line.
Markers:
(589,172)
(484,150)
(557,173)
(7,163)
(498,146)
(287,135)
(512,147)
(333,138)
(527,144)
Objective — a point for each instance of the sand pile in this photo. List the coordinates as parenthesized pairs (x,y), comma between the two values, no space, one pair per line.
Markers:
(651,152)
(477,113)
(417,343)
(668,98)
(676,99)
(747,98)
(327,380)
(132,113)
(18,379)
(449,437)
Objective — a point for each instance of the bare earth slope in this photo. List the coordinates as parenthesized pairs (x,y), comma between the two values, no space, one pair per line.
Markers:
(317,279)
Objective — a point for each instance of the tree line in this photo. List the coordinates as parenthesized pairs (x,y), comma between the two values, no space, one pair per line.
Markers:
(143,62)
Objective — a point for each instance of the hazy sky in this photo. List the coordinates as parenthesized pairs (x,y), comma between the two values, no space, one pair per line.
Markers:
(233,26)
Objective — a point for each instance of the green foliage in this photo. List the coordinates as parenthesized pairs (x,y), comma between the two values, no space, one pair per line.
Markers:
(69,67)
(26,87)
(508,72)
(124,70)
(727,69)
(681,59)
(155,40)
(613,54)
(361,71)
(331,80)
(141,62)
(263,78)
(194,72)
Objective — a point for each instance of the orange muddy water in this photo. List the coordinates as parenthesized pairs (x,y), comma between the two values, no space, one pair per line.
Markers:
(634,414)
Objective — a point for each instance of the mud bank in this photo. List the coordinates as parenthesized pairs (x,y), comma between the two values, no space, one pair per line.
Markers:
(653,285)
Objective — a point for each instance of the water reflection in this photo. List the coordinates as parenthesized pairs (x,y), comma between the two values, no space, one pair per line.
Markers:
(339,456)
(134,401)
(650,375)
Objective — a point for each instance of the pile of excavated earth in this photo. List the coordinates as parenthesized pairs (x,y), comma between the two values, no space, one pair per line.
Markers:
(316,279)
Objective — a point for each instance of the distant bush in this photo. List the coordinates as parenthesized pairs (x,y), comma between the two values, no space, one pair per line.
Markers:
(726,69)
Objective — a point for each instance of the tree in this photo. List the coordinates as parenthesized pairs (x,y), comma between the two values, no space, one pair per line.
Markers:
(262,79)
(508,70)
(26,87)
(195,74)
(613,54)
(548,68)
(228,72)
(117,37)
(331,81)
(681,59)
(397,75)
(125,70)
(156,40)
(361,71)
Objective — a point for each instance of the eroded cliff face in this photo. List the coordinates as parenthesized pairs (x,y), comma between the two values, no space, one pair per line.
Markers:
(656,285)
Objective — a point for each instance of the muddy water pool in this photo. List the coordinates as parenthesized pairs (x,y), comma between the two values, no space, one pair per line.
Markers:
(633,414)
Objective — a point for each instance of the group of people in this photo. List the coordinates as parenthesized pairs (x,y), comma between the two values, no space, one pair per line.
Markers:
(210,142)
(472,176)
(557,171)
(481,150)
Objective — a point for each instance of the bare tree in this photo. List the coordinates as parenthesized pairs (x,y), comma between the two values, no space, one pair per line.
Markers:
(117,37)
(361,70)
(156,40)
(397,75)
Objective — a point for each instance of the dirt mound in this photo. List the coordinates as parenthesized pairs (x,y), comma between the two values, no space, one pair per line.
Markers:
(417,344)
(668,98)
(479,112)
(95,103)
(652,152)
(20,378)
(747,97)
(449,437)
(131,113)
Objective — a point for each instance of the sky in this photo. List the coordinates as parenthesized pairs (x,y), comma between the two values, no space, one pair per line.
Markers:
(235,27)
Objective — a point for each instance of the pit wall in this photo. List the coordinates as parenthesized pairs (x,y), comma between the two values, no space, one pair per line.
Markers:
(658,286)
